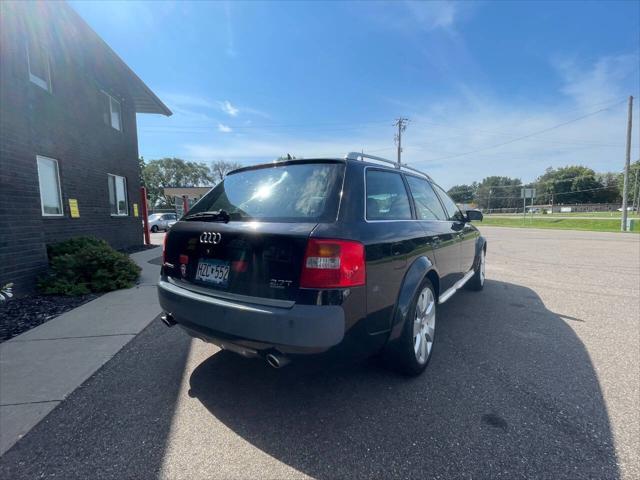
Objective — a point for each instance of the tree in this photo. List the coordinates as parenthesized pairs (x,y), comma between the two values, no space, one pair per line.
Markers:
(632,187)
(571,184)
(220,168)
(610,192)
(498,192)
(172,172)
(283,158)
(462,193)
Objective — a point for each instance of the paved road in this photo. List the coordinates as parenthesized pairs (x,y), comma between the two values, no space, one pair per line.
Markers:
(157,238)
(535,377)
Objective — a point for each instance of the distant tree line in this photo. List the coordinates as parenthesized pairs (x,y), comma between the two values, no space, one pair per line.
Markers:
(156,175)
(572,184)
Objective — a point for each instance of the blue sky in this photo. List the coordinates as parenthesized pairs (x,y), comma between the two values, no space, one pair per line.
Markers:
(251,81)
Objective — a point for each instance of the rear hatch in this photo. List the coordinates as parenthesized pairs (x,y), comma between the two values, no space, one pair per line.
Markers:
(248,236)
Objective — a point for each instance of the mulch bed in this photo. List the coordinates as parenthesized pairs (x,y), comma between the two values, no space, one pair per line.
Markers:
(17,315)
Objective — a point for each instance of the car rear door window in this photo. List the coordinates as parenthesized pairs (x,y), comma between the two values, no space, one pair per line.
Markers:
(453,211)
(287,192)
(428,207)
(387,197)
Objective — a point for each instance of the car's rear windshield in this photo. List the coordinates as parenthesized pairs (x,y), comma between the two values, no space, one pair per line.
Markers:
(290,192)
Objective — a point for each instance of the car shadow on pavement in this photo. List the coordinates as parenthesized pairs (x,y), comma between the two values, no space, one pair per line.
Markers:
(510,392)
(115,425)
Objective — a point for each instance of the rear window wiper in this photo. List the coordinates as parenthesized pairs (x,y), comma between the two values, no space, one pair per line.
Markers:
(213,216)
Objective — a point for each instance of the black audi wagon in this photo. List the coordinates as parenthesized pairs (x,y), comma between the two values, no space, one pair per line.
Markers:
(314,256)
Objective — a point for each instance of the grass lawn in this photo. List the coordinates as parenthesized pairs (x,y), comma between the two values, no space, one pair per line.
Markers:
(571,214)
(553,222)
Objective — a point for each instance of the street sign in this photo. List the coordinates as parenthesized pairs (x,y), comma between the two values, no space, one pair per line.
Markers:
(527,193)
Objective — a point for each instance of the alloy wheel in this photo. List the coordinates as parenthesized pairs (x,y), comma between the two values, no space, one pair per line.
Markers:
(424,325)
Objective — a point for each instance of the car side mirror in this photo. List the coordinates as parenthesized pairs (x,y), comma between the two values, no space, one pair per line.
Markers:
(474,215)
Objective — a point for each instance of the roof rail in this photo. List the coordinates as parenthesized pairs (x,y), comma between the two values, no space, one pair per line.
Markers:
(362,156)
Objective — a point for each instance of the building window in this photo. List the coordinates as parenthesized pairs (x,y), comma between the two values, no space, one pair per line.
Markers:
(118,195)
(111,111)
(49,181)
(39,68)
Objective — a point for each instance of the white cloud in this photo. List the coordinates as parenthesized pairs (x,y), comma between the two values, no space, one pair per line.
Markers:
(598,83)
(224,128)
(230,50)
(434,14)
(467,121)
(228,108)
(407,17)
(186,100)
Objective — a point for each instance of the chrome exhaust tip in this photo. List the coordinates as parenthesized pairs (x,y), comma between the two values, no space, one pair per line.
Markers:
(168,320)
(276,361)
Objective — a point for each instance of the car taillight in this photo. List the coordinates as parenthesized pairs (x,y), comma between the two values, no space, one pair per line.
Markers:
(333,264)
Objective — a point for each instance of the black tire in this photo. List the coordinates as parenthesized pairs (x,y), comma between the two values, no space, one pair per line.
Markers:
(403,354)
(476,283)
(154,229)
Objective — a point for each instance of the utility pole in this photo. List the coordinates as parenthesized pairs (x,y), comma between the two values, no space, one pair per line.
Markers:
(625,187)
(636,200)
(401,123)
(489,201)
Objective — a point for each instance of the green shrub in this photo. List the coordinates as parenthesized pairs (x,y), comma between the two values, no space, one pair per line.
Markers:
(74,245)
(83,265)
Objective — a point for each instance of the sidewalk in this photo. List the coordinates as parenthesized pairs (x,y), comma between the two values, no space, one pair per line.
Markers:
(41,367)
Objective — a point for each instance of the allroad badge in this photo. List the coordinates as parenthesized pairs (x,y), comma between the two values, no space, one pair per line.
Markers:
(210,237)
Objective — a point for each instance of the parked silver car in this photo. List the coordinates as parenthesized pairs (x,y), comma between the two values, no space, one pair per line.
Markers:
(162,221)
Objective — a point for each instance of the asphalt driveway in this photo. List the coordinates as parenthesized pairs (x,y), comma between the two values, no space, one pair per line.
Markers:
(536,376)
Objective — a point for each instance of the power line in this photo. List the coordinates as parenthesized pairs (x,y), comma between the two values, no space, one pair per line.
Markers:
(358,125)
(526,136)
(545,182)
(557,194)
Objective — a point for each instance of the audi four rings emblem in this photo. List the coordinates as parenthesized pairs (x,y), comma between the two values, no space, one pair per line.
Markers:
(210,237)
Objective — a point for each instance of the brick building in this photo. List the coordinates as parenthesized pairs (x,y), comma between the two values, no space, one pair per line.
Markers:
(68,139)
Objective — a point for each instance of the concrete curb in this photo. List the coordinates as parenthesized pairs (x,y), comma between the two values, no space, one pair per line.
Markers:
(41,367)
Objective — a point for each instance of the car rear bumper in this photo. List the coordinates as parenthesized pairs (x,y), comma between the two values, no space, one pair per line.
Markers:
(214,318)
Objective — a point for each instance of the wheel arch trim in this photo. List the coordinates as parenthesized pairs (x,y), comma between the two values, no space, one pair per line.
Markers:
(416,273)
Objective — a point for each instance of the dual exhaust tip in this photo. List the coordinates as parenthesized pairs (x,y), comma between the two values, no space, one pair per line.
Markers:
(168,320)
(274,360)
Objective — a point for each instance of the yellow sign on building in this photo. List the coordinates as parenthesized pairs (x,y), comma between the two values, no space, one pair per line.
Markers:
(135,209)
(73,208)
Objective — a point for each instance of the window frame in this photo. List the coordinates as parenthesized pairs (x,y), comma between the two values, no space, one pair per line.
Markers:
(115,192)
(432,186)
(112,99)
(406,189)
(45,214)
(452,218)
(43,83)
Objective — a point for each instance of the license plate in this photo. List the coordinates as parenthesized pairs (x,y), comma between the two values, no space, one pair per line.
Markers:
(215,272)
